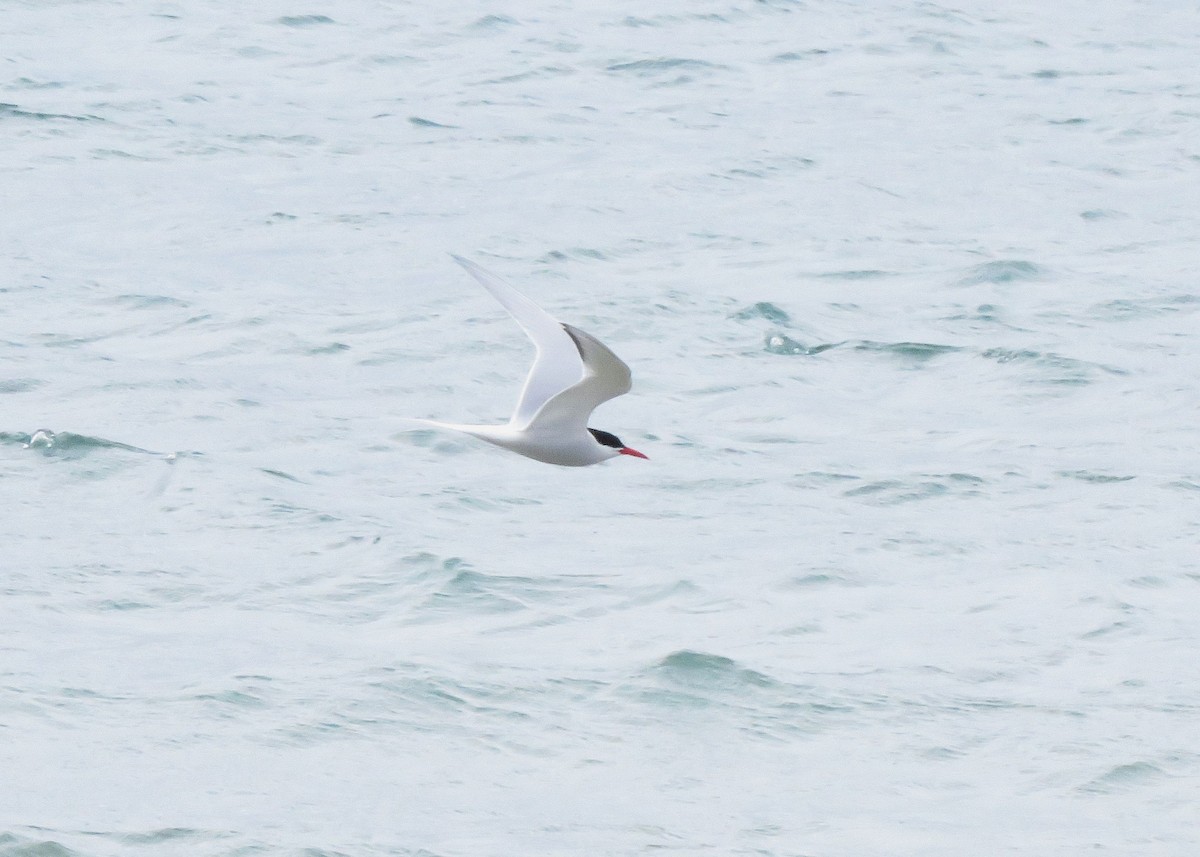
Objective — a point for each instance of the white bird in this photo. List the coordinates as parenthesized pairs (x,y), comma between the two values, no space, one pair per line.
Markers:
(572,374)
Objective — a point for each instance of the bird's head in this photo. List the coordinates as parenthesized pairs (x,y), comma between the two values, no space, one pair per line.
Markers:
(608,439)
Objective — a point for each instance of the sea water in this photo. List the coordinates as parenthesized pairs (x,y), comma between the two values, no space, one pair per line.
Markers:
(909,294)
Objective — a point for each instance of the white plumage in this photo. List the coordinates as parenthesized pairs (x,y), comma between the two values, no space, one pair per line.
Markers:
(572,374)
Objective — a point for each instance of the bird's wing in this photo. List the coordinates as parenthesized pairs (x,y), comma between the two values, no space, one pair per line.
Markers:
(605,377)
(558,365)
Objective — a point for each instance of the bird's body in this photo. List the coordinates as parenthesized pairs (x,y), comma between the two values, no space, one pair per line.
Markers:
(572,374)
(568,451)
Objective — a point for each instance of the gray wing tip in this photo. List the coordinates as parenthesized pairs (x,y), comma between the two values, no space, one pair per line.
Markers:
(477,271)
(570,331)
(592,350)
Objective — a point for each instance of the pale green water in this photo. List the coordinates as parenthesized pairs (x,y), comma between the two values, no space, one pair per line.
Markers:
(909,297)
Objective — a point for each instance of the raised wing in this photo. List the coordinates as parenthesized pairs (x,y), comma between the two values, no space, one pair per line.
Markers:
(558,364)
(605,377)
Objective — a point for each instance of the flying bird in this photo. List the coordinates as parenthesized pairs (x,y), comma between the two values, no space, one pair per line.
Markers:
(572,374)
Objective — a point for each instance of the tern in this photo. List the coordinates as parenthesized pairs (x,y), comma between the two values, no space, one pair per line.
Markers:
(572,374)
